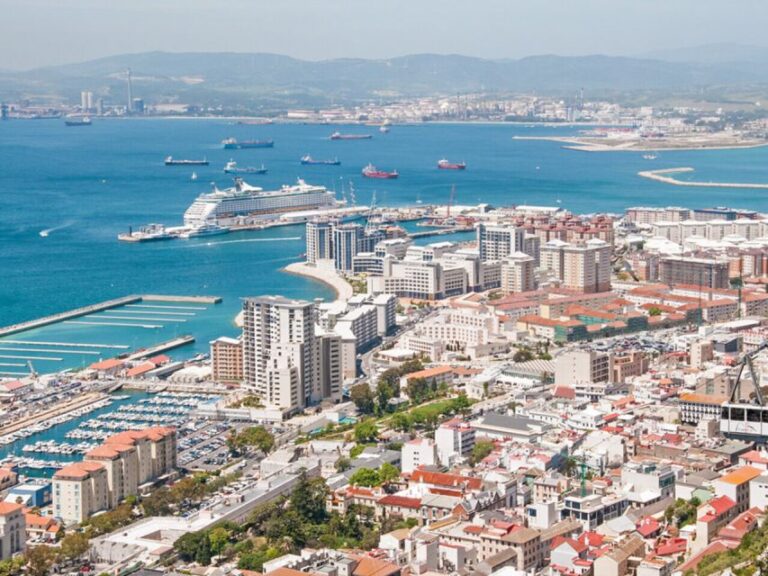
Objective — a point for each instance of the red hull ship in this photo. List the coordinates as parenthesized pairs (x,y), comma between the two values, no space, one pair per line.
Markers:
(371,171)
(446,165)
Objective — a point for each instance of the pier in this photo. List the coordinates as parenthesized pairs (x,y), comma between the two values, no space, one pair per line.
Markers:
(133,300)
(162,347)
(664,176)
(190,299)
(55,318)
(441,232)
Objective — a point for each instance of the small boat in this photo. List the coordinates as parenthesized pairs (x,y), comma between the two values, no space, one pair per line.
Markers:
(650,156)
(149,233)
(44,233)
(371,171)
(233,144)
(77,121)
(170,161)
(233,168)
(312,162)
(340,136)
(205,230)
(194,176)
(447,165)
(383,129)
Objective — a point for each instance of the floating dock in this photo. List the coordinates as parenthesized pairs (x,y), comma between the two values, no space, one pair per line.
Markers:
(441,232)
(192,299)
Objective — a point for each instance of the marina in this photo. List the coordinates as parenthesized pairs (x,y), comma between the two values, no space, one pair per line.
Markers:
(52,443)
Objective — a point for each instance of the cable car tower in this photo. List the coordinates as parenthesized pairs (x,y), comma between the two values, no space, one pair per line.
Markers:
(746,419)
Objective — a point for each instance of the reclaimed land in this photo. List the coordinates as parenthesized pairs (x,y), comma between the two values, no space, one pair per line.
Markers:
(664,176)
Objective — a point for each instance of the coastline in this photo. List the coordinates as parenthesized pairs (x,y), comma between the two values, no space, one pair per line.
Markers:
(341,287)
(580,145)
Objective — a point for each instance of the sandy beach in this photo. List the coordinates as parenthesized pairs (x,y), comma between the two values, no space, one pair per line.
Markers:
(342,288)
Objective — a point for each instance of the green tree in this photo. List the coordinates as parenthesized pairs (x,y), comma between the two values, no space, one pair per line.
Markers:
(159,503)
(365,477)
(401,421)
(363,398)
(218,538)
(40,560)
(654,311)
(420,390)
(343,464)
(74,545)
(308,499)
(366,431)
(257,436)
(194,547)
(461,404)
(481,449)
(523,355)
(388,473)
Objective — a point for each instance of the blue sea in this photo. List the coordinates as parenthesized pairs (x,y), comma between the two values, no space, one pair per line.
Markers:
(85,185)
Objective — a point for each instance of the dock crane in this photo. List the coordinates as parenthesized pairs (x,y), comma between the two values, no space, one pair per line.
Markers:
(32,371)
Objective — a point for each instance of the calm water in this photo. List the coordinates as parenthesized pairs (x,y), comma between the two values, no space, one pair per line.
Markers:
(88,184)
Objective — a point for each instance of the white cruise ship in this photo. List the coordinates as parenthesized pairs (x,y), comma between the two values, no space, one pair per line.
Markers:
(225,207)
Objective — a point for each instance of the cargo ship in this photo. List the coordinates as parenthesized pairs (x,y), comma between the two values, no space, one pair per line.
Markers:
(233,144)
(243,201)
(447,165)
(340,136)
(170,161)
(371,171)
(312,162)
(232,168)
(77,121)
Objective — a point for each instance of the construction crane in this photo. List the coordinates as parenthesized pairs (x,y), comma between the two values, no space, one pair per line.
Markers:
(32,371)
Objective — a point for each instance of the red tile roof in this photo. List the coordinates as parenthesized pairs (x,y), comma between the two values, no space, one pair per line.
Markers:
(400,501)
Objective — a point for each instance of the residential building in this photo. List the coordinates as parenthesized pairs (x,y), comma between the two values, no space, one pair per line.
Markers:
(280,356)
(735,485)
(454,439)
(517,273)
(319,240)
(707,272)
(583,367)
(418,452)
(227,360)
(497,242)
(12,530)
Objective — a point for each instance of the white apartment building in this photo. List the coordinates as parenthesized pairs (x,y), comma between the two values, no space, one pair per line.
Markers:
(79,491)
(517,273)
(497,241)
(454,439)
(280,356)
(418,452)
(13,533)
(319,240)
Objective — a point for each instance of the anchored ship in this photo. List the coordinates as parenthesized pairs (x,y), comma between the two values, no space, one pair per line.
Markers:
(340,136)
(233,144)
(77,121)
(371,171)
(170,161)
(233,168)
(447,165)
(312,162)
(243,200)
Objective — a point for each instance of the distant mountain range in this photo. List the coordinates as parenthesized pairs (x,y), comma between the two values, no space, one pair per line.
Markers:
(271,81)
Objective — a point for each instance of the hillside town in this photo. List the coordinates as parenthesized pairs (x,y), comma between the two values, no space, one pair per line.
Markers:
(562,395)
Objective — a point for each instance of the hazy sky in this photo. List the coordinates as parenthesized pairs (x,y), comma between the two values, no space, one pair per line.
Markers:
(41,32)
